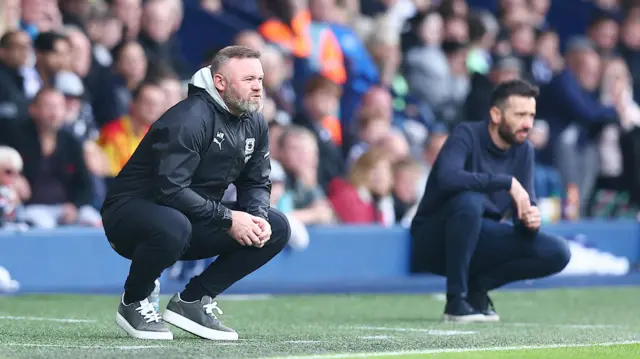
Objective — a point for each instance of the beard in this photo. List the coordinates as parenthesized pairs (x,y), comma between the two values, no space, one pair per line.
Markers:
(508,135)
(237,104)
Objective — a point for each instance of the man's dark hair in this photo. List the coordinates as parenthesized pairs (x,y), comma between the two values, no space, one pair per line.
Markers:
(6,38)
(138,90)
(232,52)
(46,41)
(512,88)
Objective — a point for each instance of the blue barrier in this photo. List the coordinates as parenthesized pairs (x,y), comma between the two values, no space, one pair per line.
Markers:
(353,259)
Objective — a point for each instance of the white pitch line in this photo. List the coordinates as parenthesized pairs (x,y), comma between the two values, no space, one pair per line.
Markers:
(244,297)
(453,350)
(417,330)
(59,320)
(119,347)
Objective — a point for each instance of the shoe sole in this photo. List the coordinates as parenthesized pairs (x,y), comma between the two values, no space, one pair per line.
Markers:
(140,334)
(492,318)
(473,318)
(192,327)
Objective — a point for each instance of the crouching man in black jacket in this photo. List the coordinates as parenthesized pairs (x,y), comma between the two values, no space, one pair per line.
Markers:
(164,205)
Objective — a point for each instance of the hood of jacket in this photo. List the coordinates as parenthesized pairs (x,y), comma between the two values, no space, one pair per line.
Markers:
(203,79)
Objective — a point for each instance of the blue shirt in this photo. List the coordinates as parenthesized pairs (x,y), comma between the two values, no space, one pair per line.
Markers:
(470,161)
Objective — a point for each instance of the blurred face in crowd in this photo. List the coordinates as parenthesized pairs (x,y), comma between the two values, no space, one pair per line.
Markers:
(250,39)
(503,75)
(523,40)
(300,153)
(129,12)
(132,62)
(548,46)
(518,15)
(515,118)
(321,102)
(432,29)
(540,7)
(16,53)
(56,60)
(322,10)
(80,53)
(381,178)
(631,33)
(239,82)
(605,34)
(588,69)
(457,29)
(149,105)
(274,69)
(269,109)
(48,110)
(375,129)
(172,91)
(378,101)
(156,21)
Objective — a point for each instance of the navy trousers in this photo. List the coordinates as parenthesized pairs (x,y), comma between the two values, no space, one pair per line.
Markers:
(481,254)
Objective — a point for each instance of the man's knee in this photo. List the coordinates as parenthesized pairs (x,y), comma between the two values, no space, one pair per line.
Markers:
(553,251)
(468,204)
(280,228)
(174,233)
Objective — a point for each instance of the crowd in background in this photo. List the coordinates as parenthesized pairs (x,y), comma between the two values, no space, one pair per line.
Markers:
(359,97)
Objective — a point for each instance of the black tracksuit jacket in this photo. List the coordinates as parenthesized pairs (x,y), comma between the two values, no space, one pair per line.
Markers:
(191,154)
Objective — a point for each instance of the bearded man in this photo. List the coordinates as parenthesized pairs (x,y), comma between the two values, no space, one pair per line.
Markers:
(165,204)
(484,171)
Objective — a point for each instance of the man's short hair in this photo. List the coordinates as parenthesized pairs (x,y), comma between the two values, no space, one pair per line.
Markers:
(322,83)
(232,52)
(507,89)
(46,41)
(6,38)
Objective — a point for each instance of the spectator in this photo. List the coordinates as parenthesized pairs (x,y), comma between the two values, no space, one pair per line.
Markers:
(406,193)
(106,31)
(483,30)
(277,80)
(630,50)
(53,165)
(157,38)
(575,118)
(15,47)
(604,32)
(10,13)
(52,56)
(321,101)
(617,187)
(365,197)
(120,138)
(283,201)
(250,39)
(130,70)
(14,189)
(373,127)
(130,13)
(299,157)
(547,61)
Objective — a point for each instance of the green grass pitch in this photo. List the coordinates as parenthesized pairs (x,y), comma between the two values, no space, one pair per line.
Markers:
(555,324)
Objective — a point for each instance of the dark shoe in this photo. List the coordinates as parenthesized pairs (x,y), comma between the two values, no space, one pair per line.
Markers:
(141,321)
(481,302)
(198,318)
(458,310)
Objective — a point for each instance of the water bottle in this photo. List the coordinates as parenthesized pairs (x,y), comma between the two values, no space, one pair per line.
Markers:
(155,296)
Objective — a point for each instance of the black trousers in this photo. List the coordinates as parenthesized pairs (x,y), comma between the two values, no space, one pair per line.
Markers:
(481,254)
(155,237)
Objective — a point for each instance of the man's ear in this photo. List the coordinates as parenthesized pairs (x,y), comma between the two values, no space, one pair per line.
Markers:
(496,115)
(219,82)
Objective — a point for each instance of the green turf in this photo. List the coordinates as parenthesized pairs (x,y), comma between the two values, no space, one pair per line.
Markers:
(319,325)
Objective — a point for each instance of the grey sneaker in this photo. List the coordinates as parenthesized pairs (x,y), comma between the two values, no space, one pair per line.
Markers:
(141,321)
(198,318)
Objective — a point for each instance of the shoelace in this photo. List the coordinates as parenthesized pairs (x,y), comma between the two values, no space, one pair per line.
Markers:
(208,308)
(148,312)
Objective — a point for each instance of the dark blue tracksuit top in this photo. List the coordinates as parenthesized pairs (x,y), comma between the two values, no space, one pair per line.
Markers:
(470,161)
